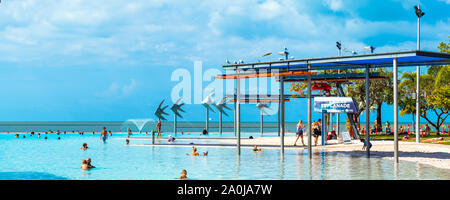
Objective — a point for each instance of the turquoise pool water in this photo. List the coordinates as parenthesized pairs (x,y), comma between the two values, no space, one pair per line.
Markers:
(36,158)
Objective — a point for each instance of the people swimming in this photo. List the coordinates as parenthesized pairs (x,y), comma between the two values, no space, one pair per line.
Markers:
(84,165)
(205,132)
(16,136)
(194,152)
(88,161)
(256,149)
(104,134)
(84,147)
(183,174)
(127,141)
(158,128)
(299,132)
(110,133)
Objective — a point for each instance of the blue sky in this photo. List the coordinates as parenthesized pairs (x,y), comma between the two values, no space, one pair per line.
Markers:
(111,60)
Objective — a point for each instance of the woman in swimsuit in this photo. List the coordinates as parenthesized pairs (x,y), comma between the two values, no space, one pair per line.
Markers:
(299,132)
(316,132)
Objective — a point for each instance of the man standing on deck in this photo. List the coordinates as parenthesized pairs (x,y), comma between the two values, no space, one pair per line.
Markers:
(104,134)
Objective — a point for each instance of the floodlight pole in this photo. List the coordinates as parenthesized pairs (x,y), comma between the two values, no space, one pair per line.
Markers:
(367,113)
(309,114)
(337,114)
(238,113)
(282,113)
(418,84)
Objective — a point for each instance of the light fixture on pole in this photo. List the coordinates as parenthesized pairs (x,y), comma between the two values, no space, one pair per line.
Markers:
(207,103)
(261,107)
(419,15)
(284,53)
(220,105)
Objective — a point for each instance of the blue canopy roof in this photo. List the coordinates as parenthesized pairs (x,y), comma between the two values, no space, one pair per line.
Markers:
(405,58)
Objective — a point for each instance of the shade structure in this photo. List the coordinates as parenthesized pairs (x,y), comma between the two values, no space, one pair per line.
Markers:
(405,58)
(367,62)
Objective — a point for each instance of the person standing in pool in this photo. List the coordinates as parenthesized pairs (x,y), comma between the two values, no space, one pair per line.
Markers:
(316,131)
(104,134)
(299,132)
(129,132)
(158,128)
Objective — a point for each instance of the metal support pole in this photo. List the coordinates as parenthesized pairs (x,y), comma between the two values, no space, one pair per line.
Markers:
(324,112)
(282,113)
(418,86)
(337,125)
(220,122)
(367,112)
(207,119)
(175,124)
(153,137)
(262,123)
(309,115)
(238,114)
(234,117)
(395,111)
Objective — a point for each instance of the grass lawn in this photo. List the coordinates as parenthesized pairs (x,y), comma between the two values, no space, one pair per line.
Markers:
(412,138)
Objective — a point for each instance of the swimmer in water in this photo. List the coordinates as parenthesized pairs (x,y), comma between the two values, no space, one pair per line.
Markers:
(84,165)
(84,147)
(104,134)
(205,153)
(88,162)
(194,152)
(255,148)
(16,136)
(183,174)
(110,133)
(127,141)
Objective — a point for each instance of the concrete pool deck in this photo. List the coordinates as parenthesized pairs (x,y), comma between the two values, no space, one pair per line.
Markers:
(437,155)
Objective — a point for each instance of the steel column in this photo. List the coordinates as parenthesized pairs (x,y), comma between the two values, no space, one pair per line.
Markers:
(418,86)
(238,114)
(367,113)
(309,115)
(282,125)
(395,110)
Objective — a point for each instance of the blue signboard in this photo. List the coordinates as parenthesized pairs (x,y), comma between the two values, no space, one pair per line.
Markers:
(335,105)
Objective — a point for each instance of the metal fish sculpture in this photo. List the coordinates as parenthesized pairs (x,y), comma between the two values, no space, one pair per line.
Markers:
(177,107)
(160,111)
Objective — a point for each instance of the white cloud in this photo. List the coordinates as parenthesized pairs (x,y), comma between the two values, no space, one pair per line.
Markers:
(117,90)
(335,5)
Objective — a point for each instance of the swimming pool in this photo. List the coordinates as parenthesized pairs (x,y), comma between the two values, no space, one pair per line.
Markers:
(37,158)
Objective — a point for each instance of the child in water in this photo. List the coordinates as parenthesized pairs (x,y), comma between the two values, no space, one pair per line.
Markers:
(183,174)
(255,148)
(194,152)
(84,147)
